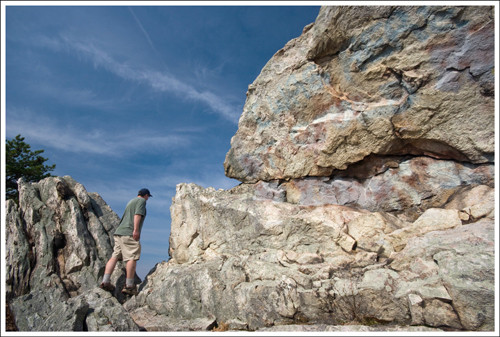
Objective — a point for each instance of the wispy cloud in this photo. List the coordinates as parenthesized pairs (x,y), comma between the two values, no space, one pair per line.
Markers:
(160,81)
(100,141)
(141,27)
(74,96)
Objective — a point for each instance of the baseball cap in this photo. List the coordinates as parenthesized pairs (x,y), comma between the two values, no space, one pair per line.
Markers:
(143,192)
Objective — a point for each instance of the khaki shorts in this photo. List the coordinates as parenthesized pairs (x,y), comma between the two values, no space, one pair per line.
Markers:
(126,248)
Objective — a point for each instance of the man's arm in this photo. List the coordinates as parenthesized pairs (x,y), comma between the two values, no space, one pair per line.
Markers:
(137,220)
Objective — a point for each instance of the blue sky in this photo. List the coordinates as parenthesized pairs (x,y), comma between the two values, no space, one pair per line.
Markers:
(125,97)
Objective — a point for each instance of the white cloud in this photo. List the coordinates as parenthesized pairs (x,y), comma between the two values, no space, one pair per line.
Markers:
(160,81)
(104,141)
(74,96)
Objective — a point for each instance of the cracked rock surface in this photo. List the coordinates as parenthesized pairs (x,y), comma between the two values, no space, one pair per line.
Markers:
(366,156)
(58,240)
(374,80)
(251,263)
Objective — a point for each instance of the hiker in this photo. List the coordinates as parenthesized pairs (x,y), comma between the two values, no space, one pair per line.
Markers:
(127,245)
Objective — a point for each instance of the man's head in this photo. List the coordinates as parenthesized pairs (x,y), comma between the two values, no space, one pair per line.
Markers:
(144,192)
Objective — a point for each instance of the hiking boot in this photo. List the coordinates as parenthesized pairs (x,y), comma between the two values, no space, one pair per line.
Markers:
(107,286)
(130,290)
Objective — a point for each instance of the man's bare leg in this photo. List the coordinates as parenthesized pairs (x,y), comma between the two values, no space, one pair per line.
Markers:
(131,265)
(110,266)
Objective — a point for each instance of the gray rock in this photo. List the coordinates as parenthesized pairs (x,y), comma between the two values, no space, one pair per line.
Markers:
(408,187)
(49,311)
(58,241)
(365,149)
(106,313)
(65,235)
(19,257)
(460,262)
(415,303)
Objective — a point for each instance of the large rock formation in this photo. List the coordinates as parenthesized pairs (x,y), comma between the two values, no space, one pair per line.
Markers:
(371,81)
(366,150)
(58,241)
(248,262)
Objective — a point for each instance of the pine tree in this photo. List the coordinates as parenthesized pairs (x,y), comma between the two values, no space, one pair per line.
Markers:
(22,162)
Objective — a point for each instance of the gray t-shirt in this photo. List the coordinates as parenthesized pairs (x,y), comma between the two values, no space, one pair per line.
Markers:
(134,206)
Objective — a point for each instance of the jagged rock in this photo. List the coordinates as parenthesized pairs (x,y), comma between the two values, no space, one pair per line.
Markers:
(370,232)
(203,226)
(107,313)
(248,262)
(432,220)
(61,208)
(57,244)
(19,257)
(371,110)
(371,80)
(415,303)
(383,109)
(475,202)
(460,261)
(366,149)
(51,310)
(43,310)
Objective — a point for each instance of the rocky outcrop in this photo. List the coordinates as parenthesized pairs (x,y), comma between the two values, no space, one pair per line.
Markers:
(371,80)
(248,263)
(58,241)
(366,156)
(51,310)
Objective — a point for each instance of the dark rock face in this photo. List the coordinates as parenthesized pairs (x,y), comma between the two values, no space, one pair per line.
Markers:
(57,244)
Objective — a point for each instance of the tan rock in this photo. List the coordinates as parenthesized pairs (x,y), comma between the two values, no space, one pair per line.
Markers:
(388,81)
(476,202)
(370,230)
(433,219)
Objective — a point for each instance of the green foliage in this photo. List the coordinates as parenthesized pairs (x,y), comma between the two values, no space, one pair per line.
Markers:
(22,162)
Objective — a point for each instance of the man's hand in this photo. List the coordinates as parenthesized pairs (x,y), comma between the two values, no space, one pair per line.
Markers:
(136,235)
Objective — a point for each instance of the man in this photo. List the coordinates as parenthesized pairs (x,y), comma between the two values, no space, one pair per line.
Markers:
(127,245)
